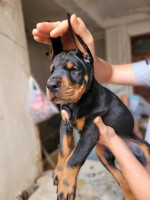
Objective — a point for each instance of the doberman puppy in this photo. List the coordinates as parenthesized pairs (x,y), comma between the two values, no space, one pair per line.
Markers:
(72,86)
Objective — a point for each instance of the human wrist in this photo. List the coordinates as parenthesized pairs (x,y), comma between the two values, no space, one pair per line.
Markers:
(96,60)
(102,70)
(114,140)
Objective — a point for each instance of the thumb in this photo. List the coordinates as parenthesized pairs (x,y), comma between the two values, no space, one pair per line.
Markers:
(80,29)
(64,115)
(99,123)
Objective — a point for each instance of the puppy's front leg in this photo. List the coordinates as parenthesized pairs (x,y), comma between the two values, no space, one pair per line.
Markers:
(64,150)
(67,184)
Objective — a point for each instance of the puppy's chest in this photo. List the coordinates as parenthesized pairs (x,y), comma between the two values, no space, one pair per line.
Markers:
(79,123)
(76,119)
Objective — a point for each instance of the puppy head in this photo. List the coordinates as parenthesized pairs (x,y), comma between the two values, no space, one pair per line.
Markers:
(71,71)
(69,78)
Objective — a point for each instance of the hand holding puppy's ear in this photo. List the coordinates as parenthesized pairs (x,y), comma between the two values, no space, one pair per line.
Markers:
(45,30)
(81,30)
(81,47)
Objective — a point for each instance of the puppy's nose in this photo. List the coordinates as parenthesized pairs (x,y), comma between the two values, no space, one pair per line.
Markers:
(53,85)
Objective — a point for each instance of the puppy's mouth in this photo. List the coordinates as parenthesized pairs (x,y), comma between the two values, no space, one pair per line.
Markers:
(66,92)
(62,96)
(58,98)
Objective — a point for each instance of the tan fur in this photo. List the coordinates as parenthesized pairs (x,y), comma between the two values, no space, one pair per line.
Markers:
(51,68)
(68,182)
(62,158)
(146,153)
(80,123)
(143,148)
(81,47)
(70,65)
(86,78)
(66,145)
(69,93)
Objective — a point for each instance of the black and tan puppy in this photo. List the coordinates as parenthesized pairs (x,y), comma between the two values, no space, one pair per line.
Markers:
(73,87)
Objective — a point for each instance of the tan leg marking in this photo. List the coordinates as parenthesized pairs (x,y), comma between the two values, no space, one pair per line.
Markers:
(143,148)
(58,172)
(147,155)
(68,182)
(80,123)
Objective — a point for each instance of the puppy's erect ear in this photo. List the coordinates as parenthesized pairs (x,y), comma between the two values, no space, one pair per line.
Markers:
(56,46)
(81,48)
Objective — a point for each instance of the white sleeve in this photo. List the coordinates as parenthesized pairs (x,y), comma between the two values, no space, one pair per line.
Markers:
(147,135)
(142,72)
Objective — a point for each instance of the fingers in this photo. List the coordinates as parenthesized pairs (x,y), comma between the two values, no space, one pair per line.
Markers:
(64,115)
(42,40)
(47,27)
(39,33)
(41,36)
(81,30)
(42,31)
(60,29)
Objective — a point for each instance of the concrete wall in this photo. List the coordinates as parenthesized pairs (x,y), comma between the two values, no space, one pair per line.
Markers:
(20,160)
(117,47)
(100,48)
(39,61)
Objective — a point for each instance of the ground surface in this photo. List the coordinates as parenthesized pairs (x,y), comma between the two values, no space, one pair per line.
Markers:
(94,183)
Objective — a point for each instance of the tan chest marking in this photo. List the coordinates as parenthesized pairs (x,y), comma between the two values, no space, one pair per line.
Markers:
(80,123)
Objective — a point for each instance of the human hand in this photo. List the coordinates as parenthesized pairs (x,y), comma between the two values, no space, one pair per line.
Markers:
(44,30)
(107,133)
(64,115)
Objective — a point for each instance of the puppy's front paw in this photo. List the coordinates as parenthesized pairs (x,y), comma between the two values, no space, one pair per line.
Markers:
(66,190)
(58,172)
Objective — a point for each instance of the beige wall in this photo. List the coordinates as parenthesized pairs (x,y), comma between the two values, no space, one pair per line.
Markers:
(20,160)
(39,61)
(100,48)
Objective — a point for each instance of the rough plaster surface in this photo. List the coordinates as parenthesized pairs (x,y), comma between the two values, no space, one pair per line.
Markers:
(19,144)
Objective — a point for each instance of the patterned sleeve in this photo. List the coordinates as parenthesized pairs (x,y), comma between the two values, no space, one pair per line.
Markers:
(142,72)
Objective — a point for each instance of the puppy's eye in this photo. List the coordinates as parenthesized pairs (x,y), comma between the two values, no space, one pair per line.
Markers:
(74,69)
(71,67)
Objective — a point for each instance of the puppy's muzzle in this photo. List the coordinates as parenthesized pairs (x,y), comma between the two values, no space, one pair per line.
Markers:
(53,85)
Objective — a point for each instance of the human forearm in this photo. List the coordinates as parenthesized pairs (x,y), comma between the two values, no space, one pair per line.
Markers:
(114,74)
(102,70)
(135,174)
